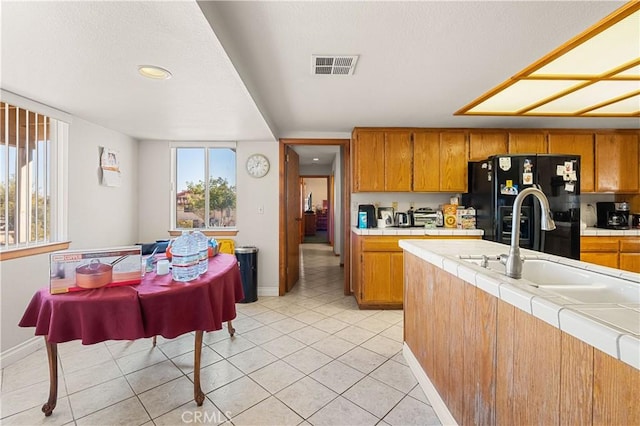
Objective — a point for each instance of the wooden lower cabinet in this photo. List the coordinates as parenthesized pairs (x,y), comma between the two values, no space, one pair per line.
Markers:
(378,269)
(615,252)
(492,363)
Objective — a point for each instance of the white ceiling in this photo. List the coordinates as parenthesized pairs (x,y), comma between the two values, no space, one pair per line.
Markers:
(242,70)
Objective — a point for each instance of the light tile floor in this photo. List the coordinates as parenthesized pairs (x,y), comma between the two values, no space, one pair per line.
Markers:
(310,357)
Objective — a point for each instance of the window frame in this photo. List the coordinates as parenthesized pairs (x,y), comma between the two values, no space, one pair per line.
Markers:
(207,230)
(58,179)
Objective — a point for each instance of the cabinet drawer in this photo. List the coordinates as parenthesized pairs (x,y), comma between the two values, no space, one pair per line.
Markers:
(381,244)
(599,244)
(604,259)
(630,245)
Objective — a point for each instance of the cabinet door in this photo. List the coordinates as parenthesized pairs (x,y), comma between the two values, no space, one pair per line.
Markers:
(398,161)
(577,144)
(484,145)
(617,157)
(368,161)
(630,254)
(630,262)
(356,266)
(426,161)
(604,259)
(397,277)
(376,273)
(453,162)
(527,143)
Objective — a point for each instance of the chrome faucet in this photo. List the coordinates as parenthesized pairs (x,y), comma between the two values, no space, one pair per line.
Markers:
(513,262)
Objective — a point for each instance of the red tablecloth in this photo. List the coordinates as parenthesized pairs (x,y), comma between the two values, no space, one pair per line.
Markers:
(157,306)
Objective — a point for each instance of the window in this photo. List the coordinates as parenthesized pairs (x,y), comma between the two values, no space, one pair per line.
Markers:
(30,210)
(205,186)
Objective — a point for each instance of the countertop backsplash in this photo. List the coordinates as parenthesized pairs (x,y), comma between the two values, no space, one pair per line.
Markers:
(586,199)
(404,200)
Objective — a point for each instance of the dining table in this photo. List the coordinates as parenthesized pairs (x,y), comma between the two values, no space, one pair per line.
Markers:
(157,306)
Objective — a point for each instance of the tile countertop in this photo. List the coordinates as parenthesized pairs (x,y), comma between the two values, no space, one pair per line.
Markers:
(602,232)
(606,326)
(417,231)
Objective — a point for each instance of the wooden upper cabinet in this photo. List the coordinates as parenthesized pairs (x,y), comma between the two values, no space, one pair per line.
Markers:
(577,144)
(398,161)
(368,149)
(484,145)
(426,161)
(617,158)
(453,162)
(527,143)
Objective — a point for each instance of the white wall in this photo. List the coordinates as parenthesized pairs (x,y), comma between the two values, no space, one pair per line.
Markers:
(256,229)
(98,217)
(101,216)
(338,233)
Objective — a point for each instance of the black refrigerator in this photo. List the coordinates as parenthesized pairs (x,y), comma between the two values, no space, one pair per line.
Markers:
(495,182)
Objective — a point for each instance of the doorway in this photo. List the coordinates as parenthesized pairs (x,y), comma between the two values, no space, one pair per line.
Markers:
(318,211)
(291,220)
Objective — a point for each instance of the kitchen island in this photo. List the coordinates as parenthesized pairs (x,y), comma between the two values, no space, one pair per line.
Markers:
(488,349)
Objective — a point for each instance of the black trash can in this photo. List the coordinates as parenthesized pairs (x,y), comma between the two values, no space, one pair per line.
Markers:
(248,261)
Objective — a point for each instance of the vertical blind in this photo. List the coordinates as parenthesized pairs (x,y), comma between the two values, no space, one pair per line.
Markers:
(25,170)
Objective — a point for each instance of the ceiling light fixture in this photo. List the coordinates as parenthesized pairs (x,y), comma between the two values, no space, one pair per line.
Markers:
(154,72)
(316,159)
(595,74)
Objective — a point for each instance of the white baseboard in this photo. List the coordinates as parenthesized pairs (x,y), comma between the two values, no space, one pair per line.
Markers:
(268,291)
(443,413)
(20,351)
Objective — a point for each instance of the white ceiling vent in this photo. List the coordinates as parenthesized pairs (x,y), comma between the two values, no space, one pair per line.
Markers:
(333,64)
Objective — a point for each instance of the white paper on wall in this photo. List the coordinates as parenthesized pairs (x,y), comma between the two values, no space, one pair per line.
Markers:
(110,167)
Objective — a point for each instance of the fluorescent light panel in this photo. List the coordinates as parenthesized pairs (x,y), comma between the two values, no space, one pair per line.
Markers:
(598,74)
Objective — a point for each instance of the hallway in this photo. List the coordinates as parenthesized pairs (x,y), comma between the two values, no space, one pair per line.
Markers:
(310,357)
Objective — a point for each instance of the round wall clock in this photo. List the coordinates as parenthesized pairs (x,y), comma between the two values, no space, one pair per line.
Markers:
(257,165)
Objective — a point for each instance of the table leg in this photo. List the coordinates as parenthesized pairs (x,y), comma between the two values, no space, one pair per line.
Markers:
(198,395)
(52,355)
(232,330)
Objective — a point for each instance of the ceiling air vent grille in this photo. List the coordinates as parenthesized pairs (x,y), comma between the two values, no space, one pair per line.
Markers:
(333,64)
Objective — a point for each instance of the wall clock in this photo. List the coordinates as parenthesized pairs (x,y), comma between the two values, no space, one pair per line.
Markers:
(257,165)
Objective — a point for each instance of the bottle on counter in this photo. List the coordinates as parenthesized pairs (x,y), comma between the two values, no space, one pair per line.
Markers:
(203,251)
(439,219)
(184,258)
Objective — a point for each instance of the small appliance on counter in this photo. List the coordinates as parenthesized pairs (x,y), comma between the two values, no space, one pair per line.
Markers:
(613,215)
(424,216)
(635,220)
(401,220)
(367,216)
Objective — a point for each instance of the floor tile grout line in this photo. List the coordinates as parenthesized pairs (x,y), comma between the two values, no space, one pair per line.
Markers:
(340,308)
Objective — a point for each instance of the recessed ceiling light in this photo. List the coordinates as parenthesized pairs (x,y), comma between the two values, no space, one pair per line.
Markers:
(154,72)
(316,159)
(595,74)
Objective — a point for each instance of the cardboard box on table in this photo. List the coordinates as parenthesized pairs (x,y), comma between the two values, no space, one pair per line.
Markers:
(75,270)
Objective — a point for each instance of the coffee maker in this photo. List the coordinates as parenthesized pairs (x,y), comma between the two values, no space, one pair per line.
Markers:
(613,215)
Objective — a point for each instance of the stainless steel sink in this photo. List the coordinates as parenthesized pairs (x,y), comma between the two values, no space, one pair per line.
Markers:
(578,284)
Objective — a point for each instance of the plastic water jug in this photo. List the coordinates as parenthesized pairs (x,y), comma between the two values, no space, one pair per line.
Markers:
(203,251)
(185,258)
